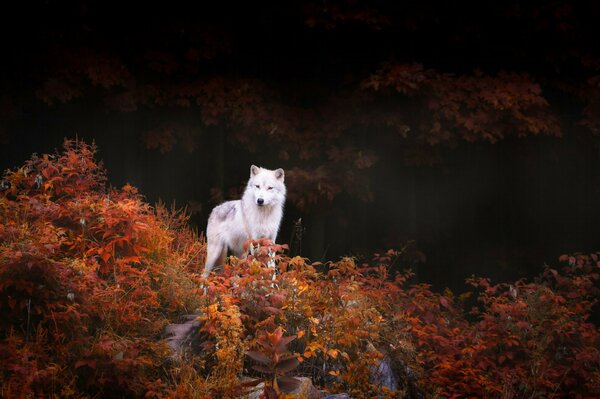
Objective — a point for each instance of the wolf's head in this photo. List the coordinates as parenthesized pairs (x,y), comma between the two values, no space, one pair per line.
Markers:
(266,187)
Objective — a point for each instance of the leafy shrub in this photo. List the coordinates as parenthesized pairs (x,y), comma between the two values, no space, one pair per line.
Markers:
(89,277)
(529,339)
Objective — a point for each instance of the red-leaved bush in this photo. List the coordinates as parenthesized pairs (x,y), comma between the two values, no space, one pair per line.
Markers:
(90,277)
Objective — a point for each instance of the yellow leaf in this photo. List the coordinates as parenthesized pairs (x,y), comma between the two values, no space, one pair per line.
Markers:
(213,308)
(302,289)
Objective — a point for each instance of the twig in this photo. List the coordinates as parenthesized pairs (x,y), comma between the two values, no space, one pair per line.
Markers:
(28,318)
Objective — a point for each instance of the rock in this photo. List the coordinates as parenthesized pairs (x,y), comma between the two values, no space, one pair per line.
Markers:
(255,392)
(338,396)
(306,390)
(383,376)
(180,336)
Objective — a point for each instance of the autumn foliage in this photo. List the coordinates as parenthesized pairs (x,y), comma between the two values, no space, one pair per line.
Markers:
(89,278)
(91,275)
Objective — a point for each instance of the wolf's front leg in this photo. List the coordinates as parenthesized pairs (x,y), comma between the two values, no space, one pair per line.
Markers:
(239,252)
(215,256)
(272,237)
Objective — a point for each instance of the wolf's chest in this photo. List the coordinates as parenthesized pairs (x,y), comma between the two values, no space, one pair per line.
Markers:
(264,225)
(262,231)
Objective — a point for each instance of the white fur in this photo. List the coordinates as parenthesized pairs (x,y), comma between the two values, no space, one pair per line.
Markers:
(226,227)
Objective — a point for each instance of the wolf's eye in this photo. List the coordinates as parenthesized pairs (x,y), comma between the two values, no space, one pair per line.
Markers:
(257,186)
(269,188)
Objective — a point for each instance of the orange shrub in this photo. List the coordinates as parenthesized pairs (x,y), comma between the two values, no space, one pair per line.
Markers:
(89,277)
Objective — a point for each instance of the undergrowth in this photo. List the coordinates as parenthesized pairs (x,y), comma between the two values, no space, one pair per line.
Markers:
(91,275)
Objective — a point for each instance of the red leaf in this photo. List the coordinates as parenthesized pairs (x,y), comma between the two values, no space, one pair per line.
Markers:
(271,310)
(284,342)
(262,369)
(444,302)
(252,383)
(288,384)
(259,357)
(287,364)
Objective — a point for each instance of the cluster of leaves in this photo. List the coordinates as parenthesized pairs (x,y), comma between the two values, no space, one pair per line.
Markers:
(526,339)
(431,107)
(335,321)
(89,277)
(470,107)
(530,339)
(274,360)
(330,14)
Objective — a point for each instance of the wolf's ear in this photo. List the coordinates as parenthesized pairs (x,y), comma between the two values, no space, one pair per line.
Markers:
(279,174)
(253,170)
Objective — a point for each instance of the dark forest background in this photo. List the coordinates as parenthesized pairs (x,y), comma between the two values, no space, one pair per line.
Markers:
(470,128)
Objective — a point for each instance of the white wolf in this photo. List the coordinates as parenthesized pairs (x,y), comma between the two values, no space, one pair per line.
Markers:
(258,214)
